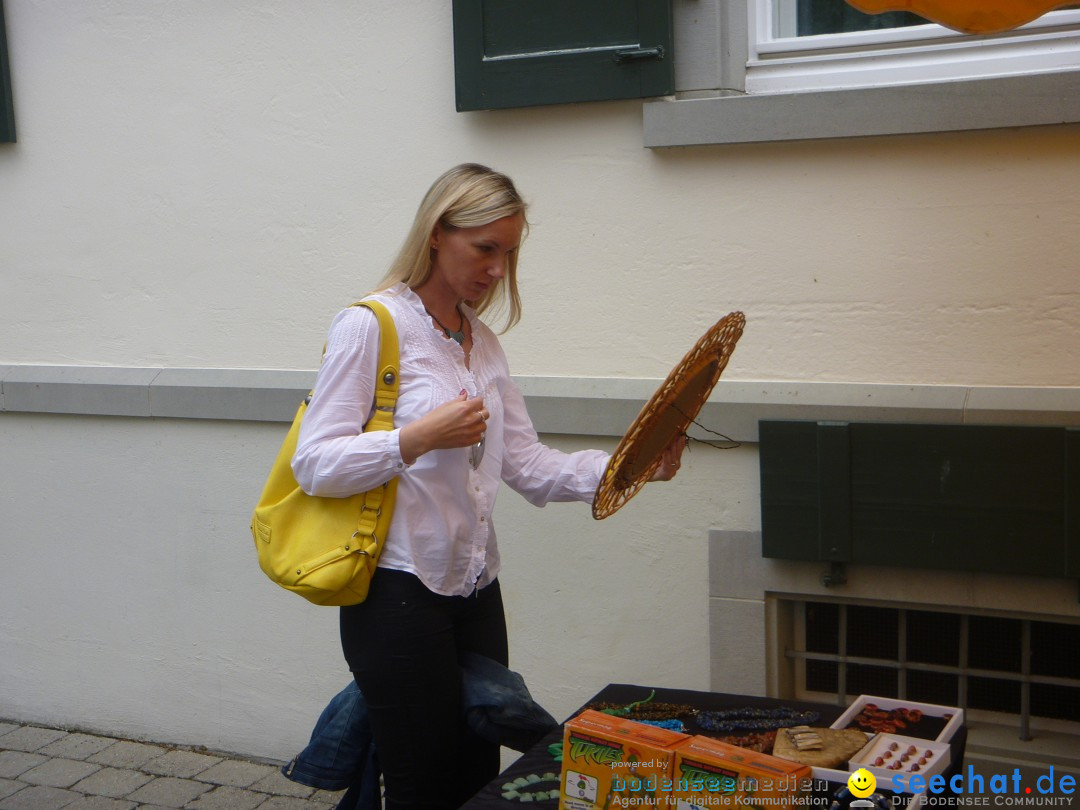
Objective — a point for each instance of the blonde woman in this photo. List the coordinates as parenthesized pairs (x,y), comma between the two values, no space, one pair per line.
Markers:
(461,430)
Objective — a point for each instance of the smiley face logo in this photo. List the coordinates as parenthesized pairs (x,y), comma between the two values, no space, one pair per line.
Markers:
(862,783)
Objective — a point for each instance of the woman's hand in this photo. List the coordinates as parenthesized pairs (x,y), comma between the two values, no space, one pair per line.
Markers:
(671,459)
(461,422)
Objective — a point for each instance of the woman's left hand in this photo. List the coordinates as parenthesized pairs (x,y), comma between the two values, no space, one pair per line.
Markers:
(671,460)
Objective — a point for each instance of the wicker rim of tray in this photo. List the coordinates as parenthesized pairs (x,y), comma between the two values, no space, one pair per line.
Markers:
(666,415)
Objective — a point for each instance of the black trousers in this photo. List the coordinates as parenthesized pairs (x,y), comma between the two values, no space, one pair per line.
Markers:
(402,645)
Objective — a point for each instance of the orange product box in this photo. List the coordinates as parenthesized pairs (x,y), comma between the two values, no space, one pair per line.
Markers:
(609,762)
(709,773)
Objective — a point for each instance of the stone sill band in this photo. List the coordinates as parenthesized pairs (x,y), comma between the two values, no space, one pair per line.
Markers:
(588,406)
(1011,101)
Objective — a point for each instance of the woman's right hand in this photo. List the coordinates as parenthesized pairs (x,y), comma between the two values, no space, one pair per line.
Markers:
(461,422)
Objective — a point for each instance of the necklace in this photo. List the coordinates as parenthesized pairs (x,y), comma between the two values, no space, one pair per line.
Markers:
(457,336)
(522,788)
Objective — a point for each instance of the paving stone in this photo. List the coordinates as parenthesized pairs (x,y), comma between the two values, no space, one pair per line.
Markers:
(77,746)
(236,773)
(331,797)
(38,798)
(182,764)
(291,803)
(127,754)
(30,738)
(278,785)
(112,782)
(9,786)
(100,803)
(168,792)
(228,798)
(5,728)
(59,773)
(12,763)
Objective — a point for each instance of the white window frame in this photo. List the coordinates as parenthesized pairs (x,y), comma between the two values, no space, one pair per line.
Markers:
(730,89)
(897,56)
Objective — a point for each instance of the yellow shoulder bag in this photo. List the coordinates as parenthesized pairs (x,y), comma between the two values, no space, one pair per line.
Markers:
(326,549)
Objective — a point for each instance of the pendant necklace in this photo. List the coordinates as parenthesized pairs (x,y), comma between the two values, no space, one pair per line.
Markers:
(457,336)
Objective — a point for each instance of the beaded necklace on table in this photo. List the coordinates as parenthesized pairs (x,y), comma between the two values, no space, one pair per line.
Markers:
(749,719)
(533,788)
(647,711)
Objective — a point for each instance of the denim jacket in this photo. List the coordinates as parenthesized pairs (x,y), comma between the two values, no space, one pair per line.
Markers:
(341,753)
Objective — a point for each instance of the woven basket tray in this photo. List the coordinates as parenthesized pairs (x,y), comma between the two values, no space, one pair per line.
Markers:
(667,415)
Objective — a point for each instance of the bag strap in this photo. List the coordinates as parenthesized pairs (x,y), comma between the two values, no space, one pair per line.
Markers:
(386,380)
(386,392)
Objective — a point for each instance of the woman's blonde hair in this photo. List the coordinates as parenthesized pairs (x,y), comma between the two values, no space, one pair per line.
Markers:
(467,196)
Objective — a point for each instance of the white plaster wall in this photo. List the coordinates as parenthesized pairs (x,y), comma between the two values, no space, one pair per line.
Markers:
(131,601)
(203,184)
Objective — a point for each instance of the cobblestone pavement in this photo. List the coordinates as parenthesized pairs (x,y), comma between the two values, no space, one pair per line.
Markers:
(45,768)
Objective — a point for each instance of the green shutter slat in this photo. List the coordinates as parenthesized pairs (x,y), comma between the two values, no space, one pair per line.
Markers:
(520,53)
(834,492)
(519,26)
(7,106)
(789,490)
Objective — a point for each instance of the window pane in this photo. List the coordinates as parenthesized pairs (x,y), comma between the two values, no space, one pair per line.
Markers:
(863,680)
(810,17)
(1055,650)
(1058,702)
(872,632)
(933,638)
(822,627)
(994,643)
(821,676)
(994,695)
(932,687)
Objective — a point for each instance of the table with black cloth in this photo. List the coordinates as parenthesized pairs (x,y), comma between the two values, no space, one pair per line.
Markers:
(538,759)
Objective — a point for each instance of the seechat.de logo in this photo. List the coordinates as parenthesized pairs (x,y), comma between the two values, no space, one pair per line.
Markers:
(1000,789)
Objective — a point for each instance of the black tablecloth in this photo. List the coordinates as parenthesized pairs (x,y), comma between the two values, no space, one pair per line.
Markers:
(539,761)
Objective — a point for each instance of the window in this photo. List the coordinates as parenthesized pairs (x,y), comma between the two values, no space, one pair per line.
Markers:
(1021,668)
(815,17)
(7,108)
(757,70)
(827,44)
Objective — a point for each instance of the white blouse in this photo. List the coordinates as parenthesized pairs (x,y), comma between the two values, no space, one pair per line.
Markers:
(441,529)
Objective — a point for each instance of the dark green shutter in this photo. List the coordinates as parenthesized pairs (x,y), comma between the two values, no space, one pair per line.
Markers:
(985,498)
(523,53)
(7,107)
